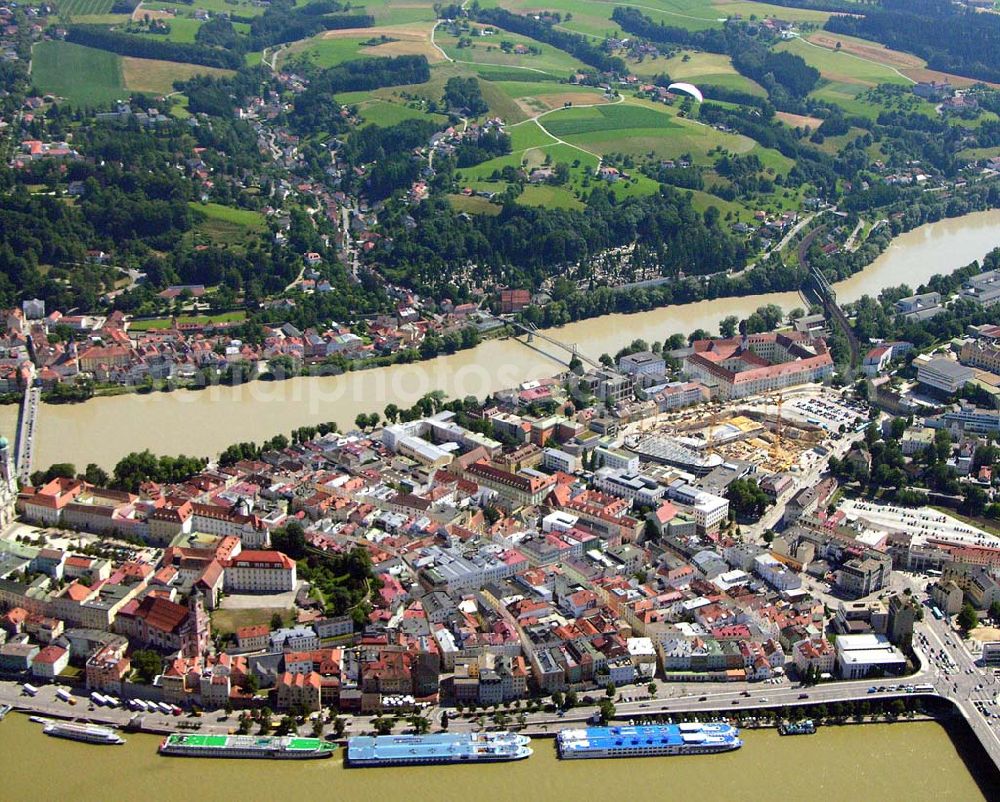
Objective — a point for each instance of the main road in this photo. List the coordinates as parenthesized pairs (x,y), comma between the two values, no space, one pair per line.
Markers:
(970,687)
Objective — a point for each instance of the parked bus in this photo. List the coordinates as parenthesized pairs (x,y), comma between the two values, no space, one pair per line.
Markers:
(936,613)
(923,688)
(98,699)
(29,689)
(63,694)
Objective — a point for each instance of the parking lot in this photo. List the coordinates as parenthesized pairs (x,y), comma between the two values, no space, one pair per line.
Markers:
(831,412)
(923,523)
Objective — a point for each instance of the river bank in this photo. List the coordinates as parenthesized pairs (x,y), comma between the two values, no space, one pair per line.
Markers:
(879,761)
(202,423)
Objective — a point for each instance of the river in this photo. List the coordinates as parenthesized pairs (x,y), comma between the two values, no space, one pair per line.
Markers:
(204,422)
(886,762)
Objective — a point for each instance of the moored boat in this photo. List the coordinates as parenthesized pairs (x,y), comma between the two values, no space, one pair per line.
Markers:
(4,710)
(88,733)
(246,746)
(806,727)
(463,747)
(689,738)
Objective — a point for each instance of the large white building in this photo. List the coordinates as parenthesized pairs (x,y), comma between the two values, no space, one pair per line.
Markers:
(707,509)
(776,573)
(760,363)
(642,363)
(253,571)
(860,655)
(230,522)
(942,373)
(422,439)
(970,419)
(635,487)
(454,569)
(555,459)
(617,459)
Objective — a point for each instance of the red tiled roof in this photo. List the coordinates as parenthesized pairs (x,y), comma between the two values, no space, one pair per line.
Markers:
(161,614)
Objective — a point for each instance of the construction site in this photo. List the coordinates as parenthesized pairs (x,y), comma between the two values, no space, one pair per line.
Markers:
(760,433)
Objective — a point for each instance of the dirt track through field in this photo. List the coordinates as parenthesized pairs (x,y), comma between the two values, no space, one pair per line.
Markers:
(869,52)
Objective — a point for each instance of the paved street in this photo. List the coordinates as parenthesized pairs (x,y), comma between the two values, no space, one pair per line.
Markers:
(973,688)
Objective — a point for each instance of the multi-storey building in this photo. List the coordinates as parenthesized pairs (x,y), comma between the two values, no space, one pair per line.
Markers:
(230,522)
(299,690)
(942,373)
(515,489)
(255,571)
(108,667)
(642,363)
(978,354)
(761,363)
(638,489)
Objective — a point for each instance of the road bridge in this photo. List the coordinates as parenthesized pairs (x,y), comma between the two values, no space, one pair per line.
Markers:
(26,427)
(532,332)
(828,297)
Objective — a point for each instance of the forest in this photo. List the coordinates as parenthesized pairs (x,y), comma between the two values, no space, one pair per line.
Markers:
(950,37)
(314,110)
(128,44)
(465,93)
(786,77)
(575,44)
(811,165)
(283,21)
(390,148)
(632,20)
(526,245)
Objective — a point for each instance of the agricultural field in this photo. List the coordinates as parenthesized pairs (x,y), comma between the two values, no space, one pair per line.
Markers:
(589,17)
(81,75)
(530,98)
(326,52)
(242,8)
(485,50)
(473,204)
(909,65)
(398,40)
(157,77)
(535,88)
(501,103)
(593,17)
(730,8)
(703,68)
(702,200)
(182,29)
(605,119)
(385,113)
(226,225)
(639,129)
(846,76)
(400,12)
(81,8)
(844,67)
(550,197)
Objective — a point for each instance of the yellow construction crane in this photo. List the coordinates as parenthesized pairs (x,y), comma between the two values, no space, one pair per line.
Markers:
(776,446)
(713,421)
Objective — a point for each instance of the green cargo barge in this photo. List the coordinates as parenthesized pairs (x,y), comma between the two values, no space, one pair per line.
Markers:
(246,746)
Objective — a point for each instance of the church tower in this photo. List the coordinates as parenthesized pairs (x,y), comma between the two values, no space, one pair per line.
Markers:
(8,483)
(197,636)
